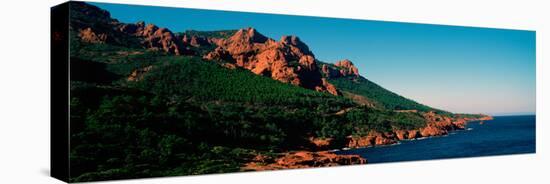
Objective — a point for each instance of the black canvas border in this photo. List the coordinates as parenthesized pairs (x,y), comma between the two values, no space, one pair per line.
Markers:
(59,91)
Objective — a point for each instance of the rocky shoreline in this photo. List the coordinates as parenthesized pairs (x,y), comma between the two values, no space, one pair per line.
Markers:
(301,159)
(437,125)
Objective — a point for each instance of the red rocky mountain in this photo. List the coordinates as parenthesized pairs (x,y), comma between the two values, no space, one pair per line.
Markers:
(342,68)
(155,38)
(94,25)
(288,60)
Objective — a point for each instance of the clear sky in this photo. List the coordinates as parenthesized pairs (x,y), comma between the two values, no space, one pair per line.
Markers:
(459,69)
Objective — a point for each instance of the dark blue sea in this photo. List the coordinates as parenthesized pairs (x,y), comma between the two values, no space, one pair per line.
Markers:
(501,136)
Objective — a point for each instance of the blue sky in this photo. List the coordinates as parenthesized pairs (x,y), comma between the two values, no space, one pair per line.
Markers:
(459,69)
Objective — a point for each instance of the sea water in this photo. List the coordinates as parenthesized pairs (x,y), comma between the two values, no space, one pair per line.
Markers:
(501,136)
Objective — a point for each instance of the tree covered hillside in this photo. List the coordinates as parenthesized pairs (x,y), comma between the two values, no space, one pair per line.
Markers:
(145,102)
(185,112)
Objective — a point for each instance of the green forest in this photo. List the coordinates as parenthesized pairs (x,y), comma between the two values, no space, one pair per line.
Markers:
(186,115)
(189,116)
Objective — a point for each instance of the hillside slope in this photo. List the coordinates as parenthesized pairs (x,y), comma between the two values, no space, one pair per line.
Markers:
(147,102)
(345,76)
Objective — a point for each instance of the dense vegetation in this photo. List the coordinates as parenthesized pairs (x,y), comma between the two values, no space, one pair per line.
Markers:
(191,78)
(144,113)
(189,116)
(371,90)
(185,115)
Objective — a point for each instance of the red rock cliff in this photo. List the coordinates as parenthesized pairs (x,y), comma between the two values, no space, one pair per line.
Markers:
(94,25)
(342,68)
(155,38)
(302,159)
(288,60)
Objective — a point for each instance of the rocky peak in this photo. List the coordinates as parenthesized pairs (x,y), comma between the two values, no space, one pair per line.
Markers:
(148,30)
(159,38)
(347,68)
(85,13)
(288,61)
(342,68)
(248,35)
(244,41)
(92,24)
(295,42)
(95,25)
(155,38)
(291,40)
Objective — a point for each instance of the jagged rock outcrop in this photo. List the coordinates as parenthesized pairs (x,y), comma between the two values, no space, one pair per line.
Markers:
(89,36)
(94,25)
(195,41)
(401,134)
(153,37)
(288,60)
(302,159)
(407,134)
(341,68)
(328,87)
(347,68)
(372,139)
(440,125)
(221,54)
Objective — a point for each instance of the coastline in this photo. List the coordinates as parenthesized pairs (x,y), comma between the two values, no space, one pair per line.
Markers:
(501,136)
(324,152)
(437,125)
